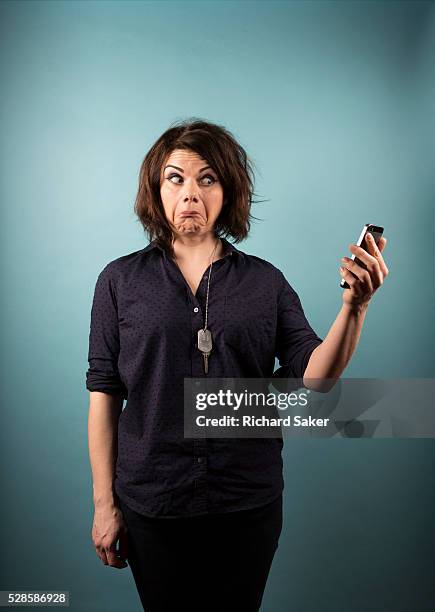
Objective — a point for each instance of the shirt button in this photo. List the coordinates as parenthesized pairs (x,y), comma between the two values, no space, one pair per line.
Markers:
(196,309)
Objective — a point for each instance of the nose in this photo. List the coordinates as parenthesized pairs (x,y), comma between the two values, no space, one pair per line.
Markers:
(191,192)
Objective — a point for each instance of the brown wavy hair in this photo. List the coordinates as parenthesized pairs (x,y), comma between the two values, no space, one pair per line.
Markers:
(218,147)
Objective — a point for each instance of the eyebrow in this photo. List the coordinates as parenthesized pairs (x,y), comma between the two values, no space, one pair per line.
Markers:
(181,169)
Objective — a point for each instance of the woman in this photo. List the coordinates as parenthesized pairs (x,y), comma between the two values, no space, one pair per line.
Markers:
(198,519)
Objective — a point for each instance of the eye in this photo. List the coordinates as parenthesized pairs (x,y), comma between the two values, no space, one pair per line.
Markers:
(171,176)
(209,176)
(176,175)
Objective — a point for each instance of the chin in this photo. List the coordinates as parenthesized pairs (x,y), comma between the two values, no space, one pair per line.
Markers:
(185,228)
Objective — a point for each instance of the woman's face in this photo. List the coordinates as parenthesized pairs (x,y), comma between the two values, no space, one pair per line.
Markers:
(191,193)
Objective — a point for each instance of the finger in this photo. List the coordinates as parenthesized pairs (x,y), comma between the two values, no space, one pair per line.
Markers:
(382,242)
(362,255)
(372,263)
(362,275)
(376,251)
(102,555)
(113,559)
(348,277)
(99,549)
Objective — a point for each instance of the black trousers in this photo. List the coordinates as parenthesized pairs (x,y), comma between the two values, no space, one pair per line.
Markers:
(208,563)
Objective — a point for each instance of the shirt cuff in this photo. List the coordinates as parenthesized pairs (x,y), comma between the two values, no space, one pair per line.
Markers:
(104,380)
(297,368)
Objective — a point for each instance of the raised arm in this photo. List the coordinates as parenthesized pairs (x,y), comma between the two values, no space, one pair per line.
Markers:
(329,360)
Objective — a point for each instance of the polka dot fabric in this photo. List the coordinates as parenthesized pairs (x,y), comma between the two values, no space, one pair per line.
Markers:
(143,343)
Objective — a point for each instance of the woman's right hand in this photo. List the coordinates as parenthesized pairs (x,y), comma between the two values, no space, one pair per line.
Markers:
(109,527)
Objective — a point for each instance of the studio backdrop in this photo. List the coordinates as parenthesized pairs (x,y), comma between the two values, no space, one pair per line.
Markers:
(334,102)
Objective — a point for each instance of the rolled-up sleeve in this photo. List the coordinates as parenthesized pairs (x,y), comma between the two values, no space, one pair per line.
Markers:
(295,338)
(102,374)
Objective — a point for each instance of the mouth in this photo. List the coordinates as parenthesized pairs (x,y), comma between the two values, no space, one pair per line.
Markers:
(188,213)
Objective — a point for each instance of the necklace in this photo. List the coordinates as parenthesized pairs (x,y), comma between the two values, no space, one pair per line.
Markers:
(204,335)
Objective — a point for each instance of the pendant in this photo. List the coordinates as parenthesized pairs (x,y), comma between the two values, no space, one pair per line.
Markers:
(205,346)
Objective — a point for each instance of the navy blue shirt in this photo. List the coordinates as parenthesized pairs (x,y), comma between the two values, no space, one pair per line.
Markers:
(142,343)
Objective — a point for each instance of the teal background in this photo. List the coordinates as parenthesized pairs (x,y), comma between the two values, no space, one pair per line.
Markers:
(334,102)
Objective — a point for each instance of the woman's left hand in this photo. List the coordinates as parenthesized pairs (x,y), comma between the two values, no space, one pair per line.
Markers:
(363,283)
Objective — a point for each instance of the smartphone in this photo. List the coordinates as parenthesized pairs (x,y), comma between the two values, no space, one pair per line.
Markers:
(376,232)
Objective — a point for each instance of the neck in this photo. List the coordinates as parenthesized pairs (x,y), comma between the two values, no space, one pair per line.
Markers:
(196,249)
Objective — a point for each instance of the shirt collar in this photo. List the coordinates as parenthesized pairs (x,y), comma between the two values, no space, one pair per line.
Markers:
(229,248)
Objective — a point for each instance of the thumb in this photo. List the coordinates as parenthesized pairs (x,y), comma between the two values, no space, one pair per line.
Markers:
(123,544)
